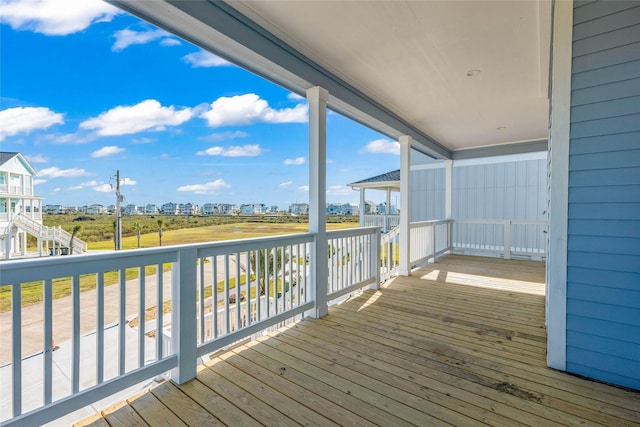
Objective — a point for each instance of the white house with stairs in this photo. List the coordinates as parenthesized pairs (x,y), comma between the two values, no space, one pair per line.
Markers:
(21,213)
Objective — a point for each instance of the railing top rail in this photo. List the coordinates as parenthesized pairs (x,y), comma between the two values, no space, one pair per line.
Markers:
(499,221)
(26,270)
(350,232)
(429,223)
(242,245)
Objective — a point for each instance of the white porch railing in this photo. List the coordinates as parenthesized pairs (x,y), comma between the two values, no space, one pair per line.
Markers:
(251,285)
(432,239)
(384,222)
(17,190)
(506,238)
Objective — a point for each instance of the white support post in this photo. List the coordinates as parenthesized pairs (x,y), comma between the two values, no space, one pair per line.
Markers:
(363,203)
(404,269)
(375,259)
(317,98)
(448,188)
(183,315)
(559,184)
(507,240)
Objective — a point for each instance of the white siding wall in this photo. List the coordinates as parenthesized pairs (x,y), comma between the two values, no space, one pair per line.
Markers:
(505,187)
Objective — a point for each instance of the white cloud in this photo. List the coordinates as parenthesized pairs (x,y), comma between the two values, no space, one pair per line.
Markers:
(54,172)
(224,136)
(57,189)
(204,59)
(213,187)
(170,41)
(285,184)
(103,188)
(303,188)
(37,158)
(146,115)
(84,185)
(25,119)
(296,161)
(128,181)
(107,151)
(295,97)
(249,150)
(126,38)
(382,146)
(250,108)
(39,181)
(143,140)
(52,17)
(339,190)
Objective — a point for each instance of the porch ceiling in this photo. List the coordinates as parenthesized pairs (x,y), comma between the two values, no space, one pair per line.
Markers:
(398,66)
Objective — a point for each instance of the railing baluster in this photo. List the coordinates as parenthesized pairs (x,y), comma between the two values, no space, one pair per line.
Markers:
(290,290)
(247,276)
(75,363)
(122,274)
(201,298)
(141,315)
(238,294)
(16,347)
(259,279)
(226,294)
(214,295)
(159,311)
(48,340)
(267,284)
(99,327)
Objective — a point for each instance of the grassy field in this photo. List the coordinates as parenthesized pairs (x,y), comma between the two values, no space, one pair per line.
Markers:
(101,228)
(246,229)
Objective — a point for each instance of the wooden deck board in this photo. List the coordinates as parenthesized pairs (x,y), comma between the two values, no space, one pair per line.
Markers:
(460,342)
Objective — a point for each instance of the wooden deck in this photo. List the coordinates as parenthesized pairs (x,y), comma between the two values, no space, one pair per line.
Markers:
(461,342)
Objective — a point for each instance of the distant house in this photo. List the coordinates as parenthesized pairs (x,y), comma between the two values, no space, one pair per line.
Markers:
(299,208)
(96,209)
(170,209)
(21,211)
(342,209)
(131,210)
(381,209)
(54,209)
(190,209)
(151,209)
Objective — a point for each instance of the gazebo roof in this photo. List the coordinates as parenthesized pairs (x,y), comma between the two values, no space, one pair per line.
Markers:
(386,181)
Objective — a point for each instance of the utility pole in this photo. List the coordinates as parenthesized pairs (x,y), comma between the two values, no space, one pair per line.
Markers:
(118,214)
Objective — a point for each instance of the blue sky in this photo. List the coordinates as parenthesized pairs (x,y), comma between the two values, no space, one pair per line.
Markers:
(88,90)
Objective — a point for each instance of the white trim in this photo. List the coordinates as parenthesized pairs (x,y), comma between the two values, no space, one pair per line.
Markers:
(448,188)
(404,268)
(317,98)
(559,185)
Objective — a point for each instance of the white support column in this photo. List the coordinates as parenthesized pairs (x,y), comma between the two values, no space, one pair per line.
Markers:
(363,203)
(317,98)
(448,188)
(559,185)
(184,339)
(448,200)
(404,269)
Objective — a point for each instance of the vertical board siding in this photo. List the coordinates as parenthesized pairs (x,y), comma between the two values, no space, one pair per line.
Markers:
(506,190)
(603,275)
(496,189)
(427,194)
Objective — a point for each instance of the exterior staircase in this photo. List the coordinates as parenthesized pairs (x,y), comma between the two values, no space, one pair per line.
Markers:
(60,237)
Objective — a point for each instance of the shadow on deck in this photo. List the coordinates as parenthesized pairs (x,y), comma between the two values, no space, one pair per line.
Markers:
(460,342)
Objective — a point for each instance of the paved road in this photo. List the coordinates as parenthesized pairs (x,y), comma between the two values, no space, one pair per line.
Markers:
(32,316)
